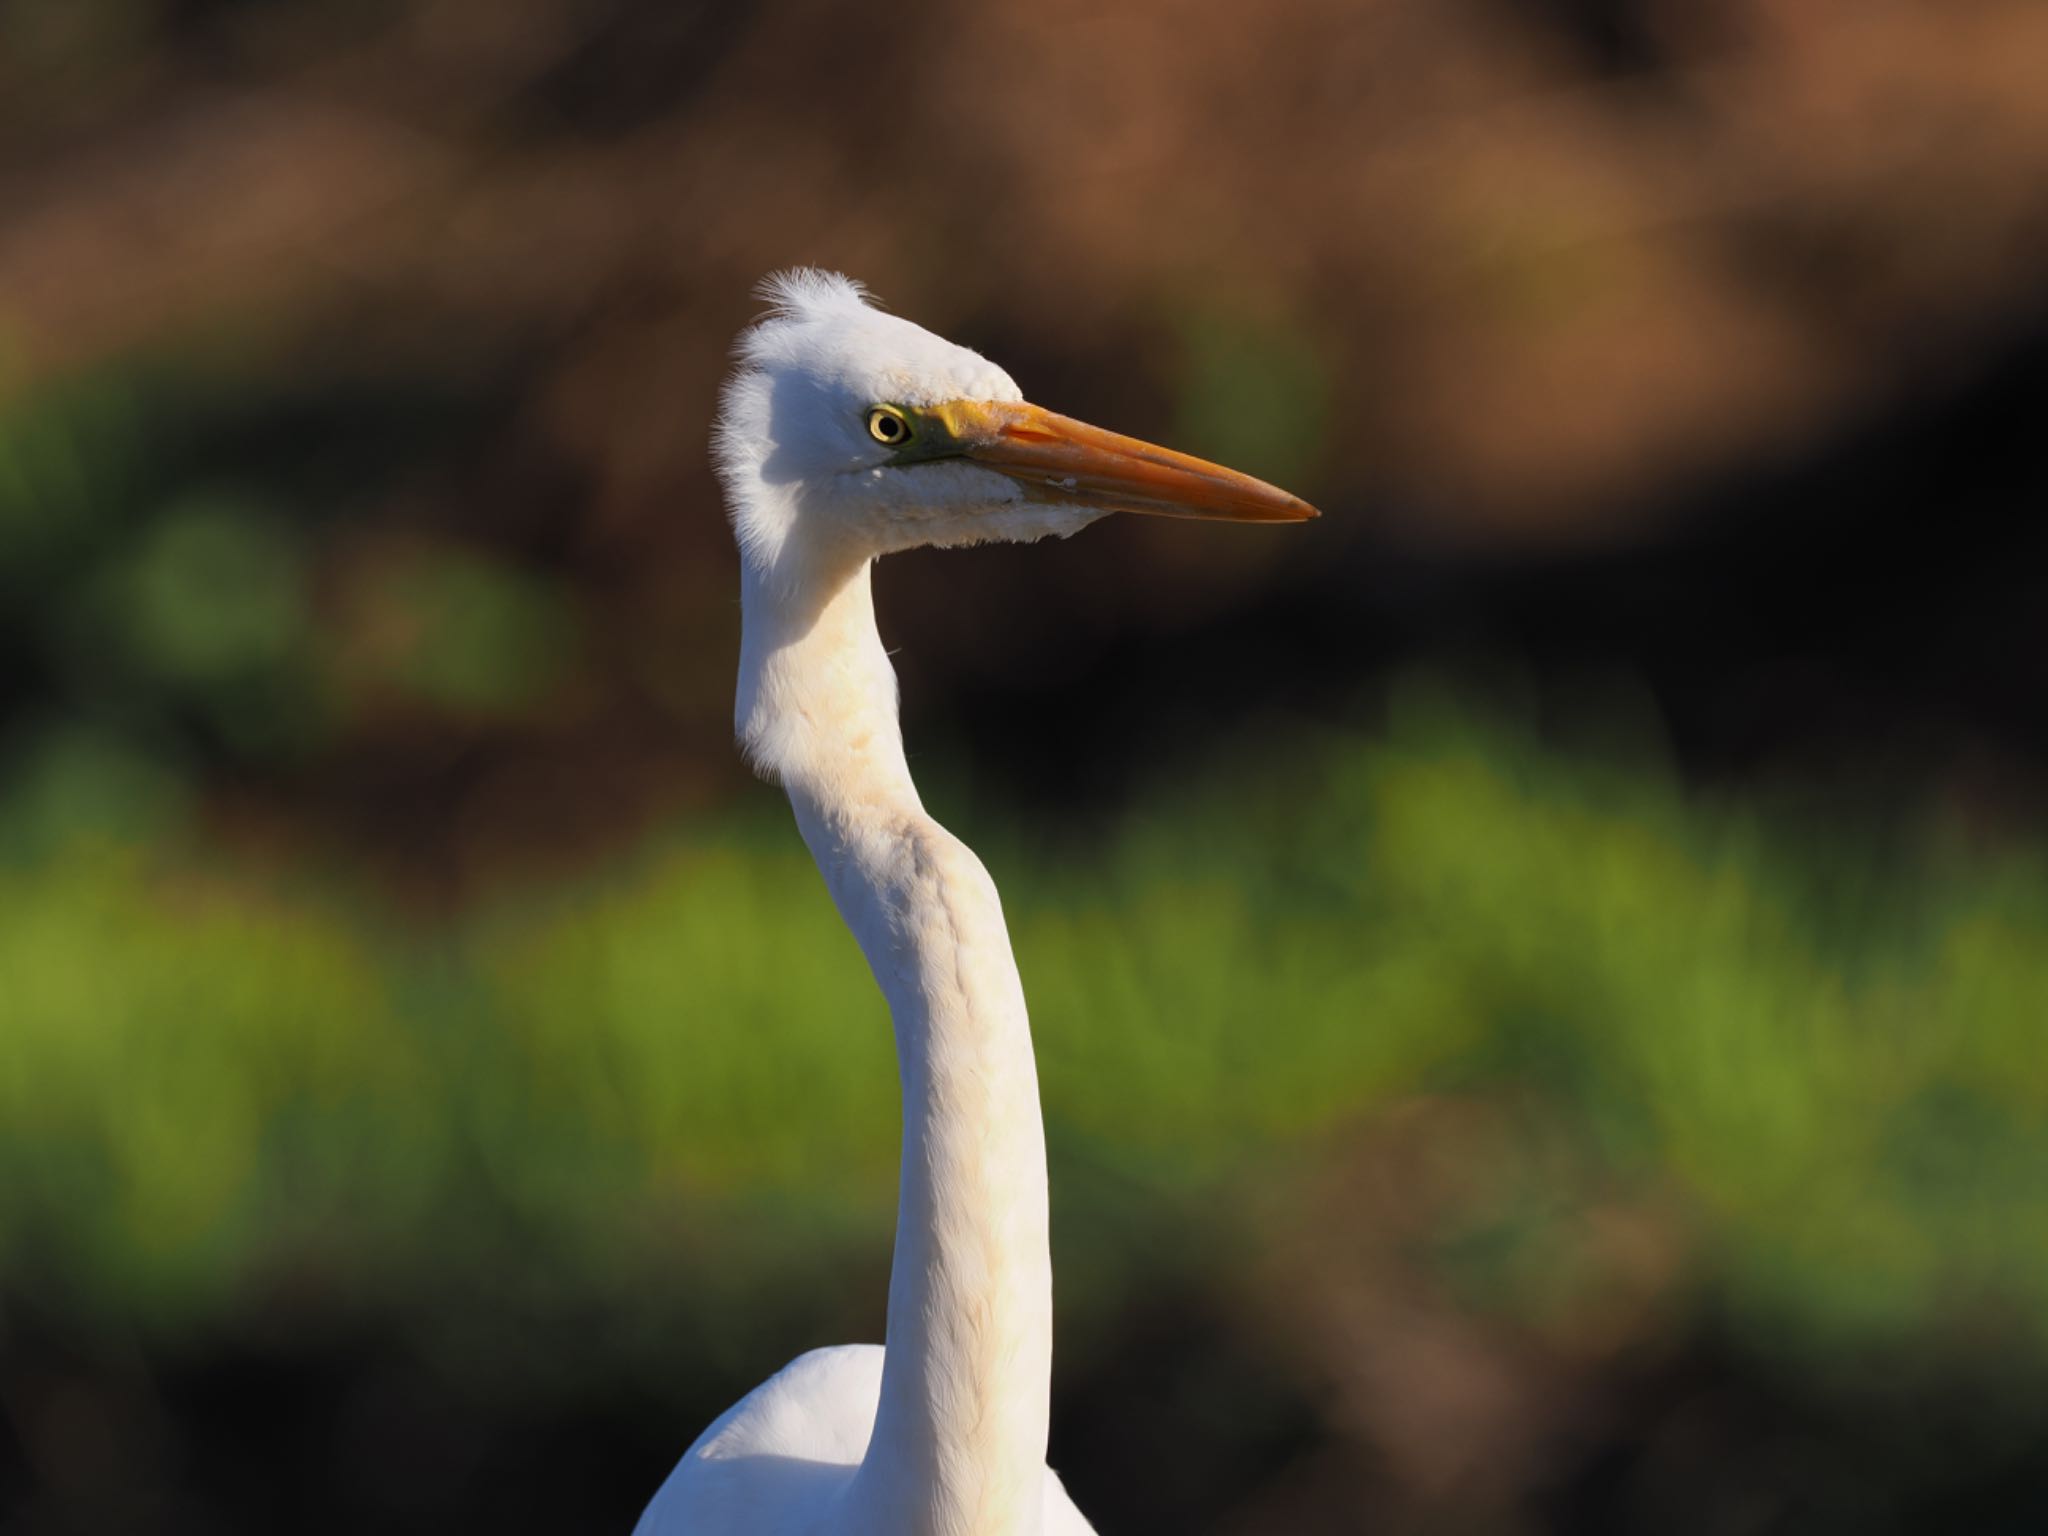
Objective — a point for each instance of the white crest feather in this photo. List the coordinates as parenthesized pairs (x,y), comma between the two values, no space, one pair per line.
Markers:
(800,291)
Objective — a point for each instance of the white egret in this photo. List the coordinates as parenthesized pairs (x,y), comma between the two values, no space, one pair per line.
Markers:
(844,434)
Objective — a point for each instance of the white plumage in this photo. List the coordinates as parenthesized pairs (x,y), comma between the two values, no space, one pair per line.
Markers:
(845,434)
(781,1460)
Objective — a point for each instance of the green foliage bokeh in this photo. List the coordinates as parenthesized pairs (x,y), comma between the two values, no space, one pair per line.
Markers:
(206,1080)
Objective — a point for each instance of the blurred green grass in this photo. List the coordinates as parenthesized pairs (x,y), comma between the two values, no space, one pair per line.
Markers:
(211,1079)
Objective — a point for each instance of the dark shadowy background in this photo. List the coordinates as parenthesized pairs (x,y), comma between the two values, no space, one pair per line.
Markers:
(1540,975)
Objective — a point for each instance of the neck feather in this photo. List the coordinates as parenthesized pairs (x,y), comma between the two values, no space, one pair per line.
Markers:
(959,1441)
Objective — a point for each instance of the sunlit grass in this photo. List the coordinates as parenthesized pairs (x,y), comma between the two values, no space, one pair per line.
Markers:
(202,1079)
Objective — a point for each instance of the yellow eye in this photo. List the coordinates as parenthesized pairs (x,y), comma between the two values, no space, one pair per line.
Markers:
(889,426)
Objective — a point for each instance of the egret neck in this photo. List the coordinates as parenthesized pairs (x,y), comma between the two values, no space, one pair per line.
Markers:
(959,1440)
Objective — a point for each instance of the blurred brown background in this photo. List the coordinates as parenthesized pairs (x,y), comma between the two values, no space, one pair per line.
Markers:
(1563,282)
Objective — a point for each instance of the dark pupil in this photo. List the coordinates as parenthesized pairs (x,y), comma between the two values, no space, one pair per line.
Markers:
(888,428)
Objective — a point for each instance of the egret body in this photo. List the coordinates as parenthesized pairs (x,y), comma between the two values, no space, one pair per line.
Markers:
(845,434)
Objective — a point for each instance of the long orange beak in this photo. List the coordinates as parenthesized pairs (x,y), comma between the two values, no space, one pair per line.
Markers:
(1059,459)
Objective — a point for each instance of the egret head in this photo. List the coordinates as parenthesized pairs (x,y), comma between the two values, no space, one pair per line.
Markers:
(849,432)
